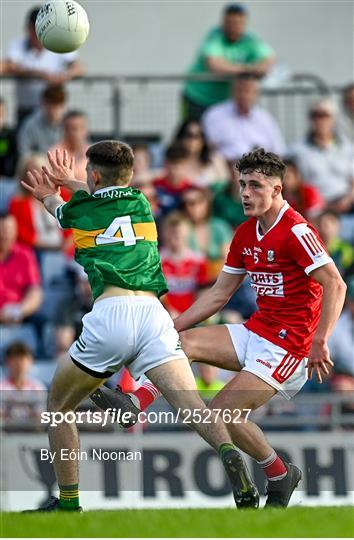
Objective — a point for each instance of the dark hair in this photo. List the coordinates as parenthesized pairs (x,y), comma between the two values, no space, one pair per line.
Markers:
(266,163)
(74,114)
(176,152)
(32,15)
(4,214)
(235,9)
(330,213)
(174,218)
(115,159)
(55,94)
(18,348)
(204,155)
(290,161)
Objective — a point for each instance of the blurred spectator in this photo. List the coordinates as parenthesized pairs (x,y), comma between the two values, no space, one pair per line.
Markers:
(23,398)
(208,383)
(72,308)
(341,342)
(303,197)
(226,50)
(326,160)
(43,128)
(208,234)
(150,192)
(20,290)
(227,203)
(36,227)
(8,146)
(239,125)
(342,253)
(205,168)
(143,171)
(27,58)
(75,141)
(346,119)
(185,270)
(175,181)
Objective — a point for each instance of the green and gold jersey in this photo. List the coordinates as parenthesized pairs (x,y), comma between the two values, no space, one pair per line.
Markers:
(115,239)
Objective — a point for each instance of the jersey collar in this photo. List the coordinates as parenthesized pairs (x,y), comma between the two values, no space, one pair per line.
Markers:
(109,188)
(280,215)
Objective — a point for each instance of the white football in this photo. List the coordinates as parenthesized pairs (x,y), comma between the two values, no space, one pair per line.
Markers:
(62,26)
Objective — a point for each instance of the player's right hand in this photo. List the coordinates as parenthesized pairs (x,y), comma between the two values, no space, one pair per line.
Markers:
(62,169)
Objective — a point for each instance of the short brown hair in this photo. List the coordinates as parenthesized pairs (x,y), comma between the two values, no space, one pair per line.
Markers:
(267,163)
(114,159)
(175,218)
(54,94)
(18,348)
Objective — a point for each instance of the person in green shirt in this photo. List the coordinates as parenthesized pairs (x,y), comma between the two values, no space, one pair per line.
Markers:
(226,50)
(116,243)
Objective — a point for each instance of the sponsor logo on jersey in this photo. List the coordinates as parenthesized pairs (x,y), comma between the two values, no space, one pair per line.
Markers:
(265,363)
(283,333)
(178,346)
(270,255)
(267,283)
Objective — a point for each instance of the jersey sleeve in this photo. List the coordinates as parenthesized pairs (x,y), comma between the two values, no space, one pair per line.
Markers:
(307,248)
(259,50)
(234,261)
(68,213)
(212,45)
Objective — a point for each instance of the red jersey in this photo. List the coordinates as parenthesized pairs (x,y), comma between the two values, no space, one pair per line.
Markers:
(279,264)
(184,277)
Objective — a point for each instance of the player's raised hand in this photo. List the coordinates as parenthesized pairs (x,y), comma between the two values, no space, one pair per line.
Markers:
(319,361)
(62,168)
(39,185)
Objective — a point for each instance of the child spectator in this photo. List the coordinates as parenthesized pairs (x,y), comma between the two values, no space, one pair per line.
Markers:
(185,270)
(341,252)
(303,197)
(75,141)
(23,398)
(44,127)
(175,181)
(208,235)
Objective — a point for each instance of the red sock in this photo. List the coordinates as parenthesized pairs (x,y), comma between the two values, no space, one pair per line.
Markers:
(146,394)
(273,467)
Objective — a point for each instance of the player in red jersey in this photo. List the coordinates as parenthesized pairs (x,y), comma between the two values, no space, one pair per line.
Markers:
(300,295)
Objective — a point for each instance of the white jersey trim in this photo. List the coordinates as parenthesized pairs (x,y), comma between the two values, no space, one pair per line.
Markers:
(59,214)
(312,246)
(232,270)
(324,260)
(280,215)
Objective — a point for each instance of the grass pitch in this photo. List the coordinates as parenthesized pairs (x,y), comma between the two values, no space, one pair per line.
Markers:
(293,522)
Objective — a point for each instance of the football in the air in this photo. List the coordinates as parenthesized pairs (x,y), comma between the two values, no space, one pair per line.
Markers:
(62,26)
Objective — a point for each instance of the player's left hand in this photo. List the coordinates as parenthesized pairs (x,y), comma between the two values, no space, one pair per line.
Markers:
(319,360)
(39,185)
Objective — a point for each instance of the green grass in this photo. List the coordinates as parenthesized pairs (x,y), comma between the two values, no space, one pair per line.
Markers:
(293,522)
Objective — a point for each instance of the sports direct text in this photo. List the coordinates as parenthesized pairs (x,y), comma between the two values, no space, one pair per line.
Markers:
(116,416)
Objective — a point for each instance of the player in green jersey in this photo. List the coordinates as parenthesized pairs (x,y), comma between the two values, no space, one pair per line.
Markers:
(116,243)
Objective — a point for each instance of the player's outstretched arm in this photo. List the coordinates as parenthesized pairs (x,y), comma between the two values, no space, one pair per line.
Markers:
(210,302)
(62,172)
(43,189)
(333,298)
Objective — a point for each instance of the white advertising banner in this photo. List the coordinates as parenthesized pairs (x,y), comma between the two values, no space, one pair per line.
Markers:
(161,470)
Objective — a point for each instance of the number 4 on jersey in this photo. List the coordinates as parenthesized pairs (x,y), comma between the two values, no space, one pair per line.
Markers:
(122,224)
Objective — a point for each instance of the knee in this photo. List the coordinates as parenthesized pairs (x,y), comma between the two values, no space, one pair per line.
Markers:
(188,343)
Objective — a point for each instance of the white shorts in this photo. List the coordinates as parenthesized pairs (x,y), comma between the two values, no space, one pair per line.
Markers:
(132,331)
(280,369)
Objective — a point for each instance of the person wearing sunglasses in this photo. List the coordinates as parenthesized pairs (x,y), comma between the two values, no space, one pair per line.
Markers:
(205,167)
(326,159)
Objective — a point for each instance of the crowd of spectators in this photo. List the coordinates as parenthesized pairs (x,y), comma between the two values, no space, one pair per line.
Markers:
(193,193)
